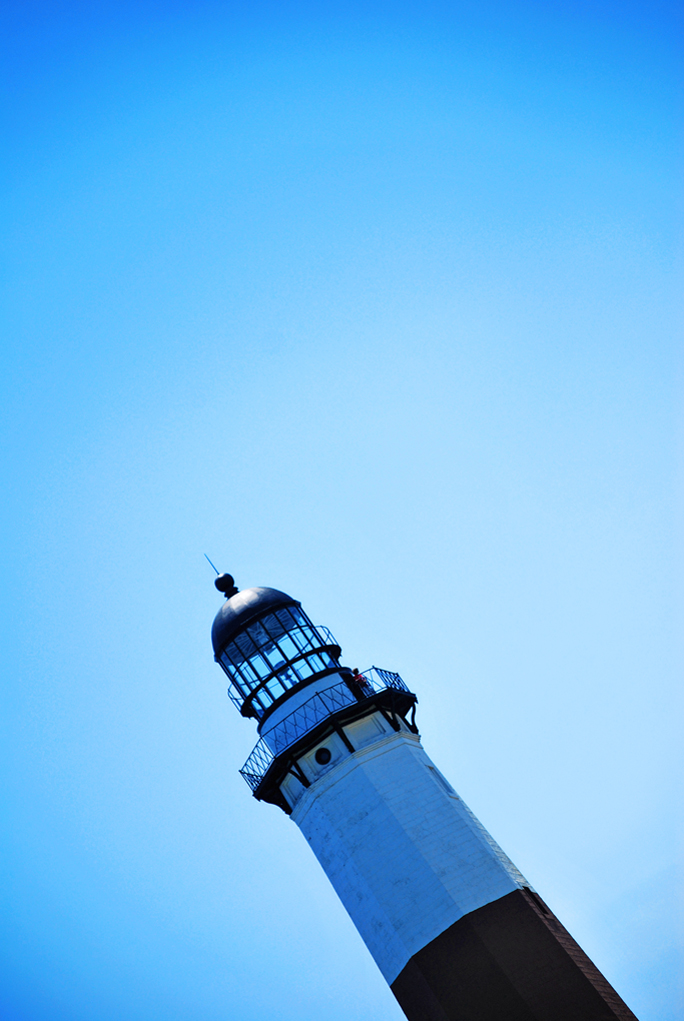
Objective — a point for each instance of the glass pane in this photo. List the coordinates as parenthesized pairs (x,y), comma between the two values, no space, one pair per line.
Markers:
(249,674)
(265,698)
(286,618)
(275,687)
(274,625)
(300,643)
(273,656)
(287,646)
(242,648)
(258,705)
(306,638)
(261,668)
(288,678)
(258,634)
(229,667)
(303,668)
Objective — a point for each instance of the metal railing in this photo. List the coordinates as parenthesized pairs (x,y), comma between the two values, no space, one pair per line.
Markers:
(311,713)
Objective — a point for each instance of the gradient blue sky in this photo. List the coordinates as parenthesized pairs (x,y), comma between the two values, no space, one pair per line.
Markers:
(377,304)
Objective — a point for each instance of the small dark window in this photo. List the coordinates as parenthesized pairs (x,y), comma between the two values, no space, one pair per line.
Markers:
(323,756)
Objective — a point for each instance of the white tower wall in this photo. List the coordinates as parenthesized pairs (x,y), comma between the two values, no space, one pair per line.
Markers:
(404,853)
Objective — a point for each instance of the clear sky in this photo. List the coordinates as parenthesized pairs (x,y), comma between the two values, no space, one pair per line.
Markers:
(377,304)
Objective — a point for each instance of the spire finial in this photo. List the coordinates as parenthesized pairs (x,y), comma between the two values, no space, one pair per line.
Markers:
(226,583)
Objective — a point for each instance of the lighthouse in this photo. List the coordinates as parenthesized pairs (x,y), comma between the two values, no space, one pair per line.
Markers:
(456,930)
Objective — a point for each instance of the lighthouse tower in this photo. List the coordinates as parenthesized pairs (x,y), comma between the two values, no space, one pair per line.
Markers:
(457,931)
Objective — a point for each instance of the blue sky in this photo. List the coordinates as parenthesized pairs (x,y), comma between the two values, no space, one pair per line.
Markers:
(377,304)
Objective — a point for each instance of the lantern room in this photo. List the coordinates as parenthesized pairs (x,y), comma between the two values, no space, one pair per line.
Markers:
(267,646)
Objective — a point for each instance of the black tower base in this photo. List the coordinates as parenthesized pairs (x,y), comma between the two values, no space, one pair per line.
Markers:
(510,960)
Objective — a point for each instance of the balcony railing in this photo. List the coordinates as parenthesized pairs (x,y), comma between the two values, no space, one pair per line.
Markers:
(311,713)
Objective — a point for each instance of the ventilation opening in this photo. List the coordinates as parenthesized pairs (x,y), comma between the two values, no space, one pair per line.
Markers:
(441,780)
(539,902)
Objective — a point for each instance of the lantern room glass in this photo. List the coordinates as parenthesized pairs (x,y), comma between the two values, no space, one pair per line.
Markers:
(275,653)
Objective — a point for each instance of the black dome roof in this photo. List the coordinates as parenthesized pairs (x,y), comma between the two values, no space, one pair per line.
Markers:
(243,607)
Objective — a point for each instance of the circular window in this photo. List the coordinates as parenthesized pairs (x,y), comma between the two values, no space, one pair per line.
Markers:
(323,756)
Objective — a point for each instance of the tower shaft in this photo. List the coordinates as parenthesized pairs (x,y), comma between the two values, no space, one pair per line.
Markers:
(455,928)
(405,855)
